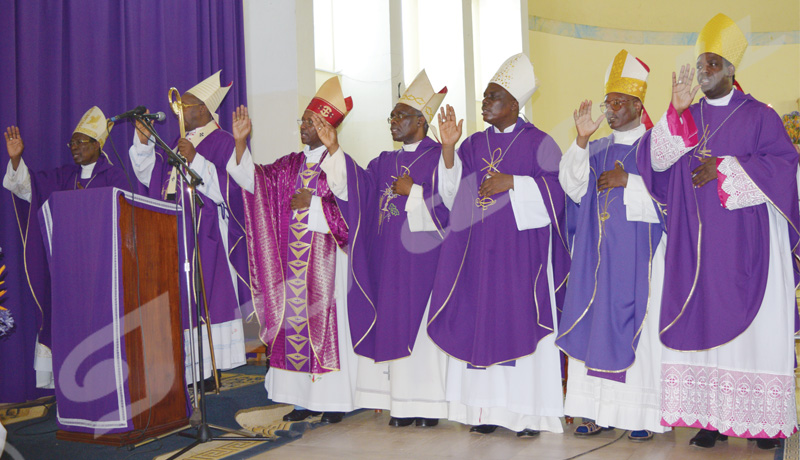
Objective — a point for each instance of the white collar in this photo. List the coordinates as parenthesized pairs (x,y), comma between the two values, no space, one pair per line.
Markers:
(86,170)
(721,101)
(313,156)
(630,136)
(411,147)
(507,130)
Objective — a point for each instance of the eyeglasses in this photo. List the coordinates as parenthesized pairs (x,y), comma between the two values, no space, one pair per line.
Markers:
(79,143)
(614,105)
(400,116)
(185,106)
(306,123)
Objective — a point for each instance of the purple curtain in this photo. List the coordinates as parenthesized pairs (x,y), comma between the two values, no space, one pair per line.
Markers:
(60,57)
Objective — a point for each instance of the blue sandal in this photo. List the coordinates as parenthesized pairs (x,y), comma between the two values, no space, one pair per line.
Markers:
(587,429)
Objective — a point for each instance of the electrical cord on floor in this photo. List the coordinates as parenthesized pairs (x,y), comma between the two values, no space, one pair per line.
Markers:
(50,412)
(598,448)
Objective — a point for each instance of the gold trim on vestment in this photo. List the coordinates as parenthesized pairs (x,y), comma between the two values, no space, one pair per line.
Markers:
(350,260)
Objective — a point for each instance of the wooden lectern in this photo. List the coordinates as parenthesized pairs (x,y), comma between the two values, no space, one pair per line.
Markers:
(147,249)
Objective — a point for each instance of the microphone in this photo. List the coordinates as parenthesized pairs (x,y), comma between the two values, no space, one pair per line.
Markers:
(158,116)
(130,113)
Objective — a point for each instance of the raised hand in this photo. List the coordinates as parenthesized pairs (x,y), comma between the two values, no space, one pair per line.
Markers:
(326,132)
(402,186)
(241,130)
(450,132)
(241,124)
(301,199)
(495,183)
(682,92)
(616,177)
(14,145)
(584,123)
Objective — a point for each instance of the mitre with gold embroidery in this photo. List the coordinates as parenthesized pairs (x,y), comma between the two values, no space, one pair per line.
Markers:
(517,77)
(94,124)
(330,102)
(421,96)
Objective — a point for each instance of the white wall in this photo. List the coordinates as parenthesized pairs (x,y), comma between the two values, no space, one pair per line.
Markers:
(279,50)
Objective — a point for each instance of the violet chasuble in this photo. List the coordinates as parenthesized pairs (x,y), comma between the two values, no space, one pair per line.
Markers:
(609,287)
(293,268)
(729,358)
(491,298)
(392,268)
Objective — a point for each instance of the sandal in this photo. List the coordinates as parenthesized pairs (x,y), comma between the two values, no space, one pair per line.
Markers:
(587,429)
(640,435)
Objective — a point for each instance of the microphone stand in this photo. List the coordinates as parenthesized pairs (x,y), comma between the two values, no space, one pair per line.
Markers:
(203,433)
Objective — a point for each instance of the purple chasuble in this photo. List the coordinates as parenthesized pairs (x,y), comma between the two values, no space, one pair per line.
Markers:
(491,298)
(223,306)
(392,268)
(292,268)
(43,184)
(717,259)
(217,148)
(609,284)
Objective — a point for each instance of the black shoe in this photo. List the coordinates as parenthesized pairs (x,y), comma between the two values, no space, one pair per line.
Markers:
(395,421)
(707,438)
(427,422)
(209,384)
(332,417)
(483,429)
(299,414)
(768,443)
(527,433)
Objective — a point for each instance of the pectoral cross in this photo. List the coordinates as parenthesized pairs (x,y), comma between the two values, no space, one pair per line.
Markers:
(702,151)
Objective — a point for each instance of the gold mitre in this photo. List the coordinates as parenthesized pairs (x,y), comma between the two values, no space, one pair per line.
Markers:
(723,37)
(331,103)
(627,75)
(517,77)
(94,124)
(421,96)
(210,92)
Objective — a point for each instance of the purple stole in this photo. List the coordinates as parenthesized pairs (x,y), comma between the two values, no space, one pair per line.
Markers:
(717,259)
(609,285)
(491,296)
(292,269)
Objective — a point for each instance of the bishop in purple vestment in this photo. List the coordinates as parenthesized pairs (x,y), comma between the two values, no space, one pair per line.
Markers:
(613,294)
(503,265)
(297,241)
(397,223)
(726,171)
(206,148)
(91,169)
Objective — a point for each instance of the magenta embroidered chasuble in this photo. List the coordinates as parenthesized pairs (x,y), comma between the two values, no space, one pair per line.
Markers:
(292,268)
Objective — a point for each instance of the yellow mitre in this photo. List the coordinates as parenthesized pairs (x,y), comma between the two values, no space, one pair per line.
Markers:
(517,77)
(627,75)
(421,96)
(94,124)
(723,37)
(211,93)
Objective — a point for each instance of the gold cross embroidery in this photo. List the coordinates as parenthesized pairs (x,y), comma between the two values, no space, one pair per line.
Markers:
(702,151)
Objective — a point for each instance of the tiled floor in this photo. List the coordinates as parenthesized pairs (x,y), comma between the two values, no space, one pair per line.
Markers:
(368,436)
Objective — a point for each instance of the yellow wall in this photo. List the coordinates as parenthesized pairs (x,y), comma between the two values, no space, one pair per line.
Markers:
(572,69)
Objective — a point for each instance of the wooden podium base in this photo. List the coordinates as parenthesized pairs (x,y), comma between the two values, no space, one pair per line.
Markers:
(122,439)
